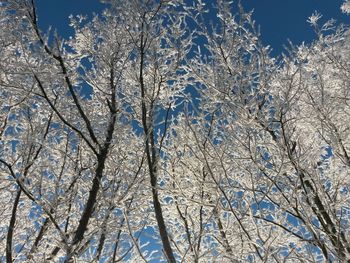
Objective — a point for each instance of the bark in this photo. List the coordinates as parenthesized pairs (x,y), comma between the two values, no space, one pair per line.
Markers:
(152,160)
(12,228)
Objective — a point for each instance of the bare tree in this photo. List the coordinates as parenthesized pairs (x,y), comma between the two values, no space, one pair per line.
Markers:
(160,133)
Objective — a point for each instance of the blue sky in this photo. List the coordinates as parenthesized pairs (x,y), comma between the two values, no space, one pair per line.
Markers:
(279,20)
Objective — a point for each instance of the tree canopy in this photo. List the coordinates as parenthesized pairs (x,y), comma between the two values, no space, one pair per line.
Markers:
(156,134)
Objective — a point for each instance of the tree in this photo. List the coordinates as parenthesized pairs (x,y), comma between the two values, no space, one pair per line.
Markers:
(153,135)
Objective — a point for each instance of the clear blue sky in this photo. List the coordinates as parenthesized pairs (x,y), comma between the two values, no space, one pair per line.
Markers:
(279,19)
